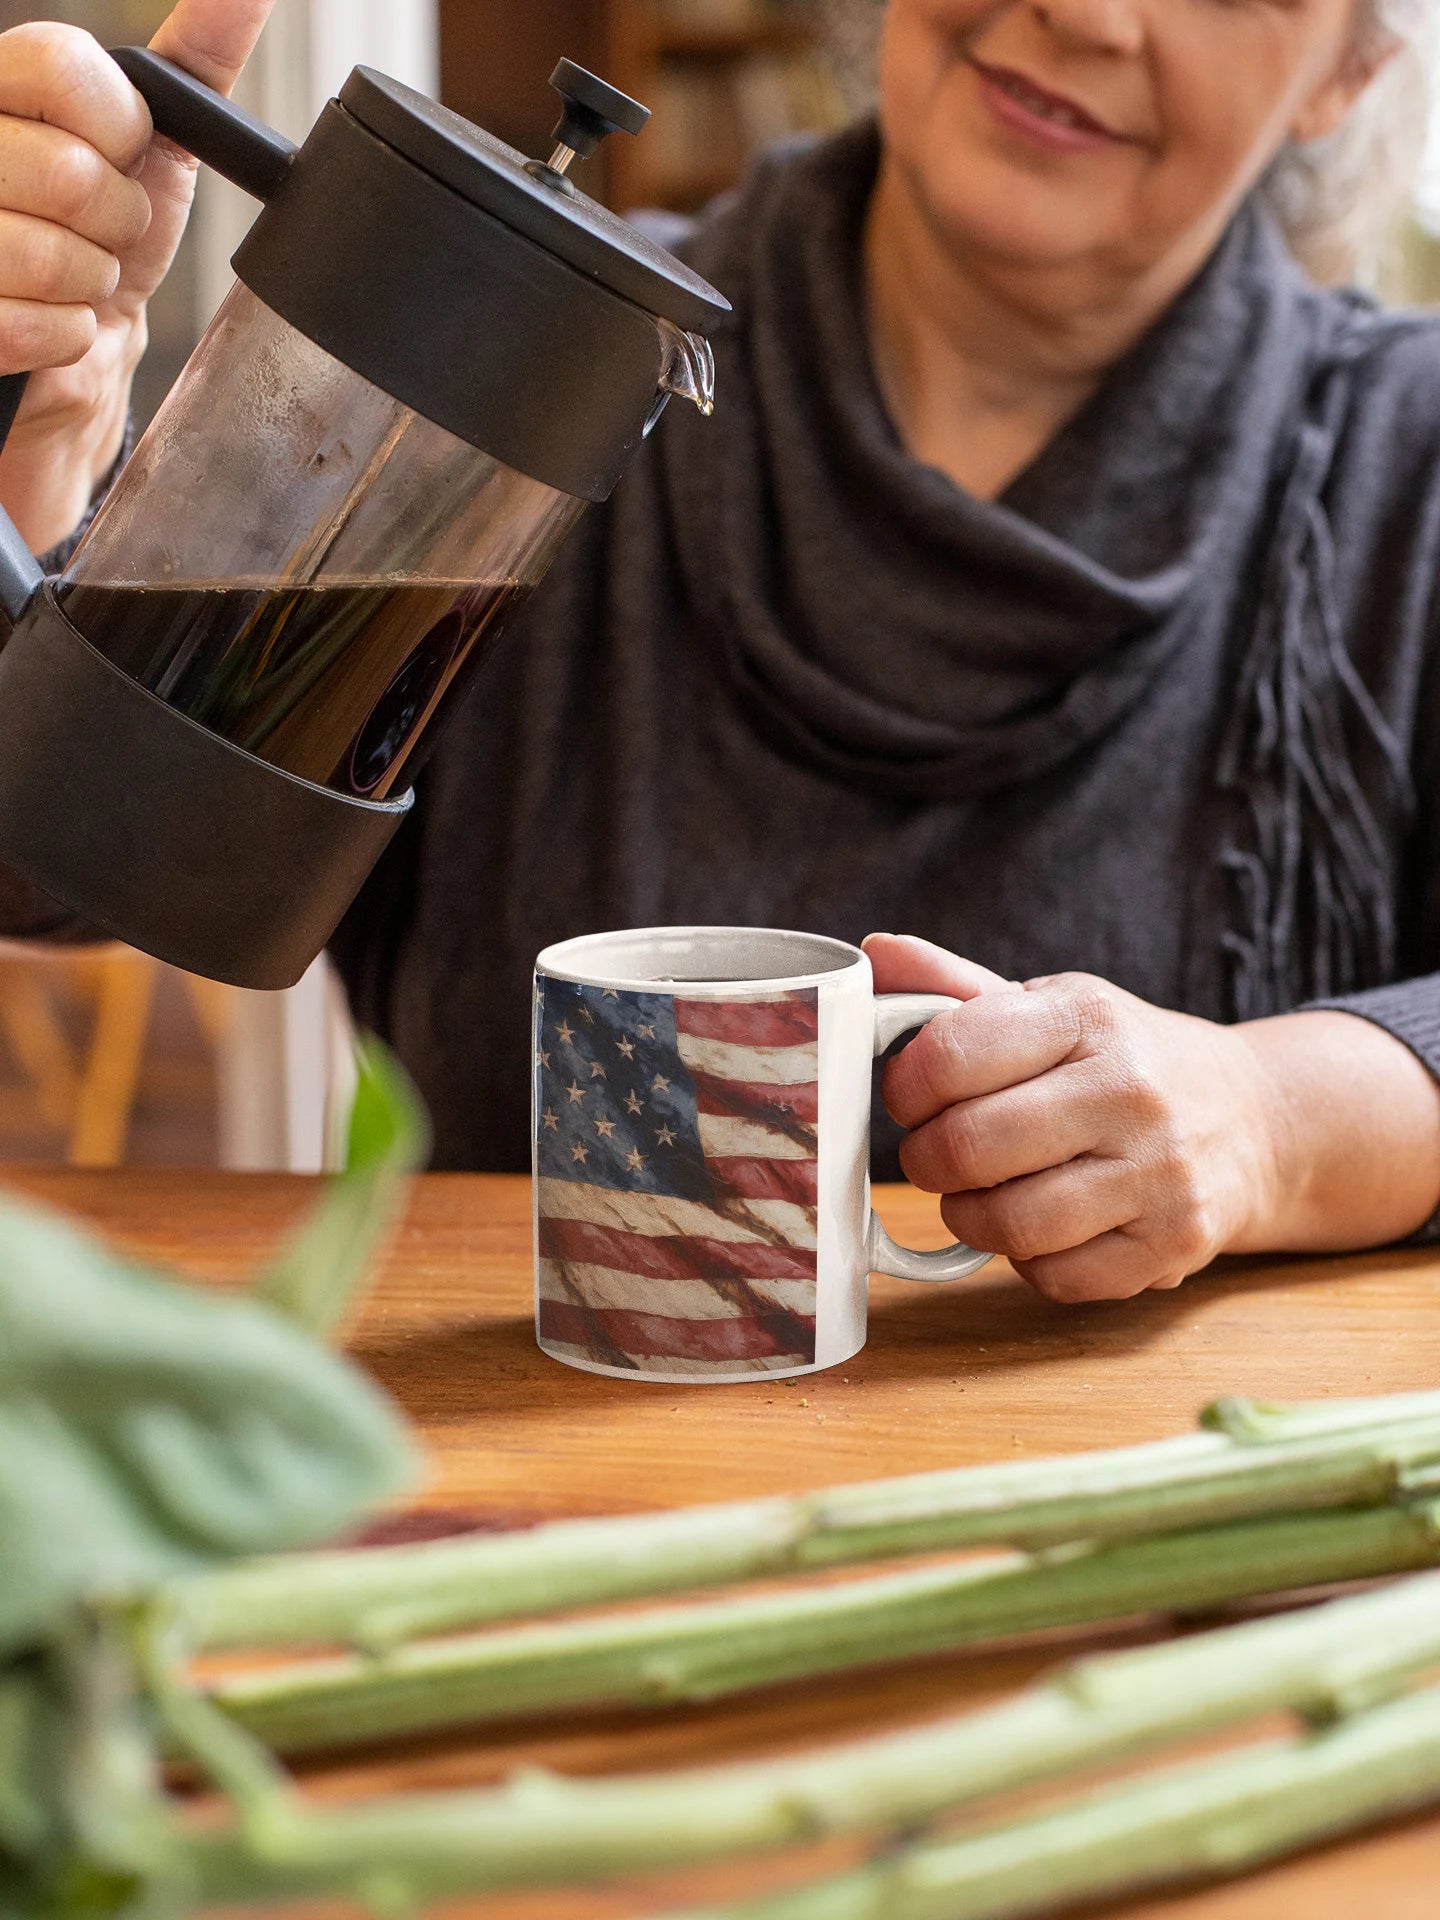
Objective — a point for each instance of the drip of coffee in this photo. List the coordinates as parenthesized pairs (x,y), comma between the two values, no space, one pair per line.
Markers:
(333,683)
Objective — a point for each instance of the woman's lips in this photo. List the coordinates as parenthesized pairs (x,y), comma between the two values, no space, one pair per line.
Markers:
(1048,119)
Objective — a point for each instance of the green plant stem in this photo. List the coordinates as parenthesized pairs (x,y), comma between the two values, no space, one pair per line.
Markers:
(1197,1822)
(662,1656)
(315,1274)
(1324,1662)
(1261,1460)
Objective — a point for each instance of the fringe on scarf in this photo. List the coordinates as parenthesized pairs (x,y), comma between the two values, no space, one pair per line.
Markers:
(1312,886)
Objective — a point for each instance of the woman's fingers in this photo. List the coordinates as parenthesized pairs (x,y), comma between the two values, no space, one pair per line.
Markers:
(72,131)
(1045,1213)
(40,260)
(1104,1145)
(37,333)
(53,175)
(212,38)
(62,76)
(66,216)
(1004,1136)
(91,205)
(904,963)
(993,1042)
(1112,1266)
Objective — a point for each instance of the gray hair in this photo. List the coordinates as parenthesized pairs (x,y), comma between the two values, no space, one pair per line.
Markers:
(1340,199)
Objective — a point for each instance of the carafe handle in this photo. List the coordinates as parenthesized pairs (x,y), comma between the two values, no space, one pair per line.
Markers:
(21,576)
(237,145)
(255,157)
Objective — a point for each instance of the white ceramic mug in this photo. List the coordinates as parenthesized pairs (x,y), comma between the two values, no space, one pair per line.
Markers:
(702,1141)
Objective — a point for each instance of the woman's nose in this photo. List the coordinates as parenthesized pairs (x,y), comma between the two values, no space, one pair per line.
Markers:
(1107,26)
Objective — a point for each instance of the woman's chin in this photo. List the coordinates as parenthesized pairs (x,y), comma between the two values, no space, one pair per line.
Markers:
(1004,213)
(1051,234)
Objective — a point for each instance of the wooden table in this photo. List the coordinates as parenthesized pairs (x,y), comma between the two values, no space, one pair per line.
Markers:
(983,1370)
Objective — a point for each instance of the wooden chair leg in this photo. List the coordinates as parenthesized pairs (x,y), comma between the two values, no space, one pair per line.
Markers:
(38,1041)
(112,1068)
(214,1006)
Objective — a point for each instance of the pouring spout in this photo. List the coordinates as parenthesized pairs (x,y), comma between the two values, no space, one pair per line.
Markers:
(687,366)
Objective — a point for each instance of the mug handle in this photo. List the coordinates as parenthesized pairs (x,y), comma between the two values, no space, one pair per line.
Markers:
(897,1013)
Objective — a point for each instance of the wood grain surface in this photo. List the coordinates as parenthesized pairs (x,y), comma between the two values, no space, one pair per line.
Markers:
(982,1370)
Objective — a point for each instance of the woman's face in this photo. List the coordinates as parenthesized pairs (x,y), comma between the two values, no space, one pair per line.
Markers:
(1103,134)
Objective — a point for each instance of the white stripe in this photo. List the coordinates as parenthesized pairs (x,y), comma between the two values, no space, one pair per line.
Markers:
(722,1137)
(671,1299)
(765,1066)
(781,1222)
(681,1369)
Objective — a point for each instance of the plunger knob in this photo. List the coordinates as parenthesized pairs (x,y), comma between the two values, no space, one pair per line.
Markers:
(592,110)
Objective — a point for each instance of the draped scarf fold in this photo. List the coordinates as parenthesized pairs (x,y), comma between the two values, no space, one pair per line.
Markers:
(1312,883)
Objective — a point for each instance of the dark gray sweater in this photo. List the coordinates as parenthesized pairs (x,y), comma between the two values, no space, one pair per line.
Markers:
(1165,712)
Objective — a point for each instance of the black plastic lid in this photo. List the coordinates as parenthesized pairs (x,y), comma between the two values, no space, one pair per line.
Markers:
(554,215)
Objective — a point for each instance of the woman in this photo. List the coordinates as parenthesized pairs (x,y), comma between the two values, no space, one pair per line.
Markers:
(1055,581)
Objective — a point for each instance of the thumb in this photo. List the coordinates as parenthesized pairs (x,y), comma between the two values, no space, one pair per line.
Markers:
(212,39)
(904,963)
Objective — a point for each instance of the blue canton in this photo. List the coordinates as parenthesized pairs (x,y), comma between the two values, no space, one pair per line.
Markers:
(614,1105)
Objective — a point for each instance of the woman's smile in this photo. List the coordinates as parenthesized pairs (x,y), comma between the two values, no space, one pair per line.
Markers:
(1108,140)
(1047,119)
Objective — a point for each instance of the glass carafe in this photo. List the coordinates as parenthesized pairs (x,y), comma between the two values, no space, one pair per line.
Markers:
(313,596)
(437,354)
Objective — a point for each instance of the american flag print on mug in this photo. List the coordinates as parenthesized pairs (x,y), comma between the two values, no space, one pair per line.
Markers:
(676,1154)
(701,1128)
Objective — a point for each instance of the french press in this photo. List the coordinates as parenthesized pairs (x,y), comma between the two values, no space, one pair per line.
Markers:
(436,354)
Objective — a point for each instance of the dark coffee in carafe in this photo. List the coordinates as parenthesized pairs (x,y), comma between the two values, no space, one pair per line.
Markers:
(332,682)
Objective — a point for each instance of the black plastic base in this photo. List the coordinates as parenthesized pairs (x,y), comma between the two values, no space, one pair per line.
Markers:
(160,832)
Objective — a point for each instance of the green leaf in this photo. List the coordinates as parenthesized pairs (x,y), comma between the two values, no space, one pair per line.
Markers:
(85,1827)
(149,1428)
(27,1821)
(314,1277)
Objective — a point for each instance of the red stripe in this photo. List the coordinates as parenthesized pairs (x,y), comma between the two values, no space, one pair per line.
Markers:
(639,1334)
(754,1100)
(672,1256)
(751,1023)
(751,1179)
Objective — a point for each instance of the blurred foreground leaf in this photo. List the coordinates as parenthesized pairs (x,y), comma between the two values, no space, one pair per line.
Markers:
(149,1428)
(315,1276)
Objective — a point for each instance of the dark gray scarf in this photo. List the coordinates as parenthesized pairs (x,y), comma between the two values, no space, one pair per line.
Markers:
(827,560)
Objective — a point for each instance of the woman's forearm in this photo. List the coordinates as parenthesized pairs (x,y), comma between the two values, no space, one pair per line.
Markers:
(1353,1132)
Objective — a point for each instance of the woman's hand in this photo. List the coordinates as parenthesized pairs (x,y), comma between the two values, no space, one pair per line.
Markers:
(1106,1146)
(91,212)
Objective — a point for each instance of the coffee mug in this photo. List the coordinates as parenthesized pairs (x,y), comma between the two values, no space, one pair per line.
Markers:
(701,1152)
